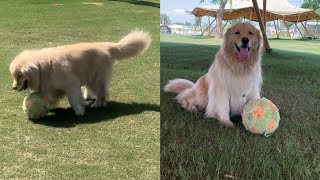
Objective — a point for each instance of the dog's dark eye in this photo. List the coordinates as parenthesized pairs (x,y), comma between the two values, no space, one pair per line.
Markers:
(19,75)
(250,33)
(238,32)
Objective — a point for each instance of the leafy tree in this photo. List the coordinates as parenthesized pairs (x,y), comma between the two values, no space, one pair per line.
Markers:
(197,21)
(187,24)
(234,21)
(311,4)
(289,24)
(165,19)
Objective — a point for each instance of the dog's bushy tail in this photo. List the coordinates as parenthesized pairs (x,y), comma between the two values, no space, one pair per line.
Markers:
(131,45)
(178,85)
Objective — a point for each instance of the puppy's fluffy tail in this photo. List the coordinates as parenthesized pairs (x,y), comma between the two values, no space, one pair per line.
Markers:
(178,85)
(131,45)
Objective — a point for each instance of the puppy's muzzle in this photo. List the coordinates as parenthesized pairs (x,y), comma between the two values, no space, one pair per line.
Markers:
(24,86)
(245,41)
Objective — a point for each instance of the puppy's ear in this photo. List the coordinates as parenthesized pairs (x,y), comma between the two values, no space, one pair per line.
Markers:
(31,73)
(260,41)
(226,37)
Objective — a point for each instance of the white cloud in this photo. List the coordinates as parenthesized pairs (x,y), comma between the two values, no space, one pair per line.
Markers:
(179,11)
(178,15)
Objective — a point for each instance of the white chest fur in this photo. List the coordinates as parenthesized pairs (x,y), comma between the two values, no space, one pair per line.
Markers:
(240,89)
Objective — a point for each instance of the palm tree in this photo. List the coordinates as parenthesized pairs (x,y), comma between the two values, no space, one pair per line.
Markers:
(165,19)
(197,21)
(219,16)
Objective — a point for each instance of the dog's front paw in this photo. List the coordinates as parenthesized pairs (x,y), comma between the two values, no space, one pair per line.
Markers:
(227,123)
(79,111)
(225,120)
(99,103)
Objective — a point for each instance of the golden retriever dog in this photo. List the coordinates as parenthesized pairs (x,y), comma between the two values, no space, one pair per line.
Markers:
(233,79)
(58,71)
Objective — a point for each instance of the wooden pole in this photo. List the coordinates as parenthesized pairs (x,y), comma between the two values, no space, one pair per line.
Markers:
(295,27)
(298,30)
(208,26)
(287,28)
(265,14)
(250,16)
(278,23)
(305,28)
(305,24)
(225,25)
(275,27)
(212,29)
(294,31)
(200,20)
(257,10)
(315,29)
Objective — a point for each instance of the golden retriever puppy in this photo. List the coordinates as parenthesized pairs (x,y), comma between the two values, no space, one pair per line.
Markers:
(59,71)
(233,79)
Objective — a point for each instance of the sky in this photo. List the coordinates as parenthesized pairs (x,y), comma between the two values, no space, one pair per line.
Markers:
(175,9)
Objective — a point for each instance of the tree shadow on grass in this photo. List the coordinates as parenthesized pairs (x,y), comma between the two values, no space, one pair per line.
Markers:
(65,118)
(316,40)
(140,2)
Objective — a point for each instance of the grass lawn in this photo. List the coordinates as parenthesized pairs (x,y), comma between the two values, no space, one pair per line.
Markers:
(118,142)
(194,147)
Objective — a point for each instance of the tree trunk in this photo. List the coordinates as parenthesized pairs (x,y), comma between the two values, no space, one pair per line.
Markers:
(219,19)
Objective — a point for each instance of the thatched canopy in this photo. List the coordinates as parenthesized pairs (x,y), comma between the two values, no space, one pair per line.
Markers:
(276,9)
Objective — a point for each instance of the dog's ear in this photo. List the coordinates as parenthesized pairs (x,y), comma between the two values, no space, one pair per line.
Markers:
(260,41)
(32,74)
(226,37)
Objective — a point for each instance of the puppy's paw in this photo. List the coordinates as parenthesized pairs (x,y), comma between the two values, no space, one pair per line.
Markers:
(101,103)
(227,123)
(192,108)
(79,111)
(225,120)
(188,105)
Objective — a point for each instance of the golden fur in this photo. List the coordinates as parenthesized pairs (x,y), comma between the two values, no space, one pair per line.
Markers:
(62,70)
(233,79)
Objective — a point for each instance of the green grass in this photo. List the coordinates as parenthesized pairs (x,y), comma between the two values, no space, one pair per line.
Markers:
(194,147)
(118,142)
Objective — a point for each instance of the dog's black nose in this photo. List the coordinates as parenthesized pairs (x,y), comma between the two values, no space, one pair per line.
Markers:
(245,40)
(14,88)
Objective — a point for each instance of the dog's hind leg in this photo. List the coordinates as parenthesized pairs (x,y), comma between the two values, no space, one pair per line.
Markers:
(100,101)
(187,99)
(100,87)
(108,79)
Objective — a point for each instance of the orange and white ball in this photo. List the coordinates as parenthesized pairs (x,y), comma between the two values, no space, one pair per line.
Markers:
(36,106)
(261,116)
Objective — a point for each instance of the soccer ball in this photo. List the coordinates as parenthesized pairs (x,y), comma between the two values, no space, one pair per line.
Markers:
(36,106)
(261,116)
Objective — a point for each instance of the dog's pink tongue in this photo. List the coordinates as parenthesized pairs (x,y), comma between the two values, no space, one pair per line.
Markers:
(244,54)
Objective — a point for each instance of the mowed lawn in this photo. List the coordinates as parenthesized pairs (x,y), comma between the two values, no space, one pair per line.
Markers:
(121,141)
(194,147)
